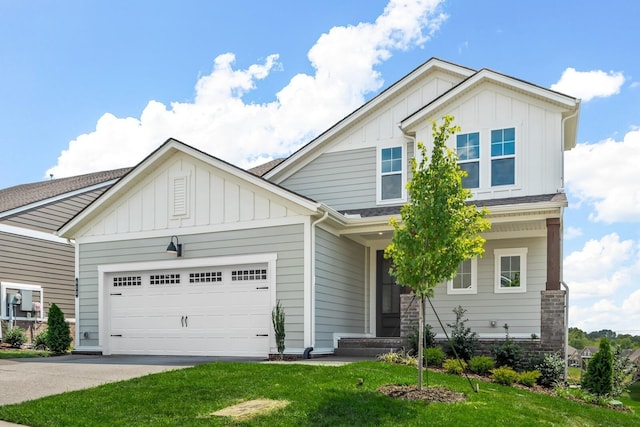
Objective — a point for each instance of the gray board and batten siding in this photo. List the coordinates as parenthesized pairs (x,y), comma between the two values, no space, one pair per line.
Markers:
(286,241)
(340,288)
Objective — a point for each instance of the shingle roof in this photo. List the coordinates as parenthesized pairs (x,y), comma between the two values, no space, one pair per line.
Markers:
(265,167)
(25,194)
(395,210)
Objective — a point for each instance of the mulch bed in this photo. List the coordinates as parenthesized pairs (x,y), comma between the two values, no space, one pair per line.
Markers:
(427,394)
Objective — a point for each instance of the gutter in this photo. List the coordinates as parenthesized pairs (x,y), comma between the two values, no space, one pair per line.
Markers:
(575,113)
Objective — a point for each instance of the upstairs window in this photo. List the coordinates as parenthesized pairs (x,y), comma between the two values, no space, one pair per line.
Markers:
(391,174)
(468,150)
(503,157)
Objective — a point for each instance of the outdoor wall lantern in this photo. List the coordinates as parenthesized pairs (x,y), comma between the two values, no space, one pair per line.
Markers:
(175,248)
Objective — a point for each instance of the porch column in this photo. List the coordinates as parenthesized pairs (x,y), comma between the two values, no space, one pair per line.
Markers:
(553,254)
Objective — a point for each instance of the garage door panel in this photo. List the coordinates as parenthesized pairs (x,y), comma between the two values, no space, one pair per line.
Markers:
(202,312)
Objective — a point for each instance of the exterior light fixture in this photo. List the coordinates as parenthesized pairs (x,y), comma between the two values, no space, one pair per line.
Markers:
(175,248)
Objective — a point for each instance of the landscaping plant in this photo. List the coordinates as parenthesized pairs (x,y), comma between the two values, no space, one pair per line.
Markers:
(507,353)
(481,365)
(598,379)
(58,337)
(622,374)
(428,338)
(528,378)
(434,356)
(277,317)
(15,337)
(462,339)
(551,370)
(40,341)
(504,375)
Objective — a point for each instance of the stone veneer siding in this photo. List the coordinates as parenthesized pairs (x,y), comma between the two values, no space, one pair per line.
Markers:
(552,328)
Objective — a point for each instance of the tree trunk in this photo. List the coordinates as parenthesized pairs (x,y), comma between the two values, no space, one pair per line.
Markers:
(420,339)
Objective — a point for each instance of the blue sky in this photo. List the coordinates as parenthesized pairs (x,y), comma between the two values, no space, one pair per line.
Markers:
(96,85)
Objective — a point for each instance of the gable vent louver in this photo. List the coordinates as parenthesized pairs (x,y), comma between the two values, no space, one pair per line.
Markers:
(180,196)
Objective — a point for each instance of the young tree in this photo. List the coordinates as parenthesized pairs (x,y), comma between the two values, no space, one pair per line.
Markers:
(598,379)
(439,229)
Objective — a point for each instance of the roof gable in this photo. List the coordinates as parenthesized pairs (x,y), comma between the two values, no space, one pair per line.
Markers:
(318,145)
(179,186)
(567,104)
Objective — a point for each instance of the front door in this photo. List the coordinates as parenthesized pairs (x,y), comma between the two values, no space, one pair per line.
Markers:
(388,299)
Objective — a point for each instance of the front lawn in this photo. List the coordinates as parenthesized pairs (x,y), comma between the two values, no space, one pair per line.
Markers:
(15,353)
(316,395)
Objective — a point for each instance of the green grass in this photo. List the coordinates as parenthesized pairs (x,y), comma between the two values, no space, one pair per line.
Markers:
(7,353)
(318,396)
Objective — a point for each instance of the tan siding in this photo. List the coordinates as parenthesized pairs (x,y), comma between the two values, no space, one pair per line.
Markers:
(52,216)
(37,262)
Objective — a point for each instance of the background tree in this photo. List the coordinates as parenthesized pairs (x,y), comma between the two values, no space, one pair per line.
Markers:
(438,229)
(58,337)
(578,338)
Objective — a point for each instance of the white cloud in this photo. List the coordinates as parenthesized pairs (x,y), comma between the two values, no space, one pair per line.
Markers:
(602,267)
(607,314)
(589,84)
(605,175)
(221,123)
(572,233)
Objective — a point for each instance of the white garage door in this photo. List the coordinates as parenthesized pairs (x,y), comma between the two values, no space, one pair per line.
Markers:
(217,311)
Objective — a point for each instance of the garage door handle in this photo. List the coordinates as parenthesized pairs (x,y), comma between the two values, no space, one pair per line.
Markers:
(116,335)
(262,287)
(186,321)
(182,321)
(116,294)
(262,335)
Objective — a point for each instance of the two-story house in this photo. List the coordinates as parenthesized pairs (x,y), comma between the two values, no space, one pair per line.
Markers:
(310,231)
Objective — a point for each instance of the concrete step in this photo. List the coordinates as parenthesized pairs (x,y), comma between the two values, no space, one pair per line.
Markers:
(380,342)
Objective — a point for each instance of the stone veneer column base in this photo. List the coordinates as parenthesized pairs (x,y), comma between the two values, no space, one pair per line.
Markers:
(552,316)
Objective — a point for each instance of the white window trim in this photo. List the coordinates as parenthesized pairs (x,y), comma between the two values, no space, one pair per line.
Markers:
(478,160)
(522,253)
(516,158)
(474,281)
(379,199)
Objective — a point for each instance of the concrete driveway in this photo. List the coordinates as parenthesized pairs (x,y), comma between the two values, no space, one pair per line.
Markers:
(27,379)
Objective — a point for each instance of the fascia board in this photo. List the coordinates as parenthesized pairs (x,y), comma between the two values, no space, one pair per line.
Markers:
(481,76)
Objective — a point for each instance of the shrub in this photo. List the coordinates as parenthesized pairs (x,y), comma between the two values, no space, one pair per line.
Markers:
(454,366)
(481,365)
(277,317)
(551,370)
(528,378)
(504,375)
(398,358)
(15,337)
(462,339)
(434,356)
(58,337)
(507,353)
(40,341)
(428,339)
(598,379)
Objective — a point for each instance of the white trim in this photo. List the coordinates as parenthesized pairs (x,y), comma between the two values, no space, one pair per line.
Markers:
(499,253)
(103,270)
(307,291)
(474,281)
(22,287)
(205,229)
(26,232)
(403,174)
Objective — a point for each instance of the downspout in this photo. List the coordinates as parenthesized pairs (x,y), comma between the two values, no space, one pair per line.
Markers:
(308,350)
(566,330)
(575,113)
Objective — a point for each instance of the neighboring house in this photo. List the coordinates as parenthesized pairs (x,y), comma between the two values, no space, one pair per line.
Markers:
(310,232)
(573,356)
(588,352)
(35,263)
